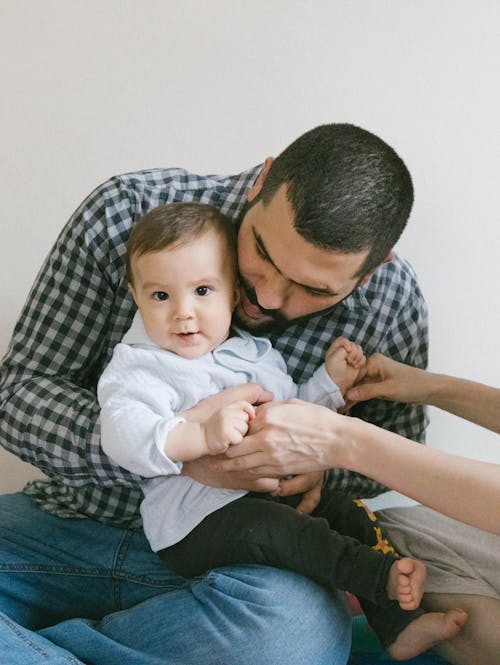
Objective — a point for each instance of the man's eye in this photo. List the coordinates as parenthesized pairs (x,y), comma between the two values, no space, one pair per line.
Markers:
(317,294)
(261,253)
(160,295)
(202,290)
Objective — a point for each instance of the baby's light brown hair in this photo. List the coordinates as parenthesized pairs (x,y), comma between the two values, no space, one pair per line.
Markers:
(177,224)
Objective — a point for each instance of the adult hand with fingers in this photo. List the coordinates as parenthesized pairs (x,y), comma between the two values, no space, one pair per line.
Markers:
(385,378)
(251,392)
(210,471)
(289,437)
(308,485)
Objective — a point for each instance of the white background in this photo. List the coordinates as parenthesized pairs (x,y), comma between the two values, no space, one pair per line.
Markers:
(91,88)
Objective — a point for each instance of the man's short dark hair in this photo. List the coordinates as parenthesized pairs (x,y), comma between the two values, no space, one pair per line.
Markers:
(177,224)
(349,190)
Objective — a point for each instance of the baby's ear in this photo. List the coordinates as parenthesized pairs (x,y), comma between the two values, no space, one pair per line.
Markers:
(131,291)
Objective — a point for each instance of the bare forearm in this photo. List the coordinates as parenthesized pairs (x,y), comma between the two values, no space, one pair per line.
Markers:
(470,400)
(464,489)
(388,379)
(186,442)
(191,440)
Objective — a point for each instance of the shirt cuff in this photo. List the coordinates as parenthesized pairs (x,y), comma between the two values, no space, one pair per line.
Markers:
(320,389)
(164,464)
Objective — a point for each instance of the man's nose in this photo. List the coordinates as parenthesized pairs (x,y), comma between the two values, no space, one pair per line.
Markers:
(272,291)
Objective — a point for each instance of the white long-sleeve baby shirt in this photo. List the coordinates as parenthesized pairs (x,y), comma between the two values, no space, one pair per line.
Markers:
(144,387)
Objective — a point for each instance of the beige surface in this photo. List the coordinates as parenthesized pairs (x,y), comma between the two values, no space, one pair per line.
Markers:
(14,473)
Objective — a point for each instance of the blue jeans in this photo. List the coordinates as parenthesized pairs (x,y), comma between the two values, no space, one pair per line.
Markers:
(76,591)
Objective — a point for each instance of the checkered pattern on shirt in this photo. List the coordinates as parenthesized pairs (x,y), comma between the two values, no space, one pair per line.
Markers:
(79,309)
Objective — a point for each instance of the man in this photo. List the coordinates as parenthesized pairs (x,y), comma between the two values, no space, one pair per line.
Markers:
(316,229)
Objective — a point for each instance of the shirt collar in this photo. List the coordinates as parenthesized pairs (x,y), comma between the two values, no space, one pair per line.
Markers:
(357,301)
(237,197)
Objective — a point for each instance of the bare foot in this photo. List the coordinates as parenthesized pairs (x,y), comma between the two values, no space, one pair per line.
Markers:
(426,631)
(406,582)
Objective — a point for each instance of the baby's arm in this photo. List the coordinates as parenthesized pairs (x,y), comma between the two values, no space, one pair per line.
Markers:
(344,360)
(140,428)
(190,440)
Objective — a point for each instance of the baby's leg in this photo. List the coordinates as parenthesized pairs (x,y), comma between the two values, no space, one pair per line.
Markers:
(425,632)
(479,641)
(404,630)
(421,631)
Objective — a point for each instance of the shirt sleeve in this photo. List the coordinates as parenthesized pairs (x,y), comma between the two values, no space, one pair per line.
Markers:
(405,340)
(320,389)
(137,413)
(49,415)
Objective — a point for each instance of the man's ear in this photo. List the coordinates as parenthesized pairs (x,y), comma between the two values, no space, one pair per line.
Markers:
(388,258)
(257,186)
(236,295)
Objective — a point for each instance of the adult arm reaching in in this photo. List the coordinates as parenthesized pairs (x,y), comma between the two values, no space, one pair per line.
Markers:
(388,379)
(454,485)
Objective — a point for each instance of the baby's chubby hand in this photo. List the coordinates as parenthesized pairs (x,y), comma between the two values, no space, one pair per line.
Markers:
(228,426)
(344,361)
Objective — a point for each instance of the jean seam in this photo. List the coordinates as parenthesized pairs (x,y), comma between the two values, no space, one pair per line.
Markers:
(55,570)
(117,568)
(22,635)
(86,572)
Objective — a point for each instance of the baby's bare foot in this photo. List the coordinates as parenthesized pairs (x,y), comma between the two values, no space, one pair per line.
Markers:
(425,632)
(406,582)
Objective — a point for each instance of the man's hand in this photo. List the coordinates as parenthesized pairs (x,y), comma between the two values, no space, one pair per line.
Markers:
(250,392)
(284,438)
(206,470)
(307,484)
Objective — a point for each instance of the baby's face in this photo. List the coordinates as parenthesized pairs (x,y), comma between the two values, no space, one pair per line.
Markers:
(186,294)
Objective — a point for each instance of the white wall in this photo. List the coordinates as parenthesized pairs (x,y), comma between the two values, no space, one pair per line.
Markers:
(91,88)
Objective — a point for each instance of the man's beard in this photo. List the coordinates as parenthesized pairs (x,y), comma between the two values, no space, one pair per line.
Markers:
(275,323)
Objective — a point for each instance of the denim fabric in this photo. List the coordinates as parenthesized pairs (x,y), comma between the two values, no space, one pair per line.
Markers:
(77,591)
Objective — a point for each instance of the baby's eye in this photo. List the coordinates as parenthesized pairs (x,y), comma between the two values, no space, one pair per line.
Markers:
(160,295)
(202,290)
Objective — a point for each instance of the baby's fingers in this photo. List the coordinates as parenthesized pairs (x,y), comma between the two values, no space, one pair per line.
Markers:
(355,355)
(236,430)
(244,409)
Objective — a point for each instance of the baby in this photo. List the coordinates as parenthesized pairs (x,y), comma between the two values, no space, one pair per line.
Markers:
(181,348)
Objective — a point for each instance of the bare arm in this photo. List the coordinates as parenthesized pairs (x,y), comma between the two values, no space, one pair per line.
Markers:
(470,400)
(388,379)
(453,485)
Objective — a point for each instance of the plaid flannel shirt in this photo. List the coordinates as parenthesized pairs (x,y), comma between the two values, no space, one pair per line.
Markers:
(79,308)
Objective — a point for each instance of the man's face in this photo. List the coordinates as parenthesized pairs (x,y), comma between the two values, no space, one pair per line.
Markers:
(283,276)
